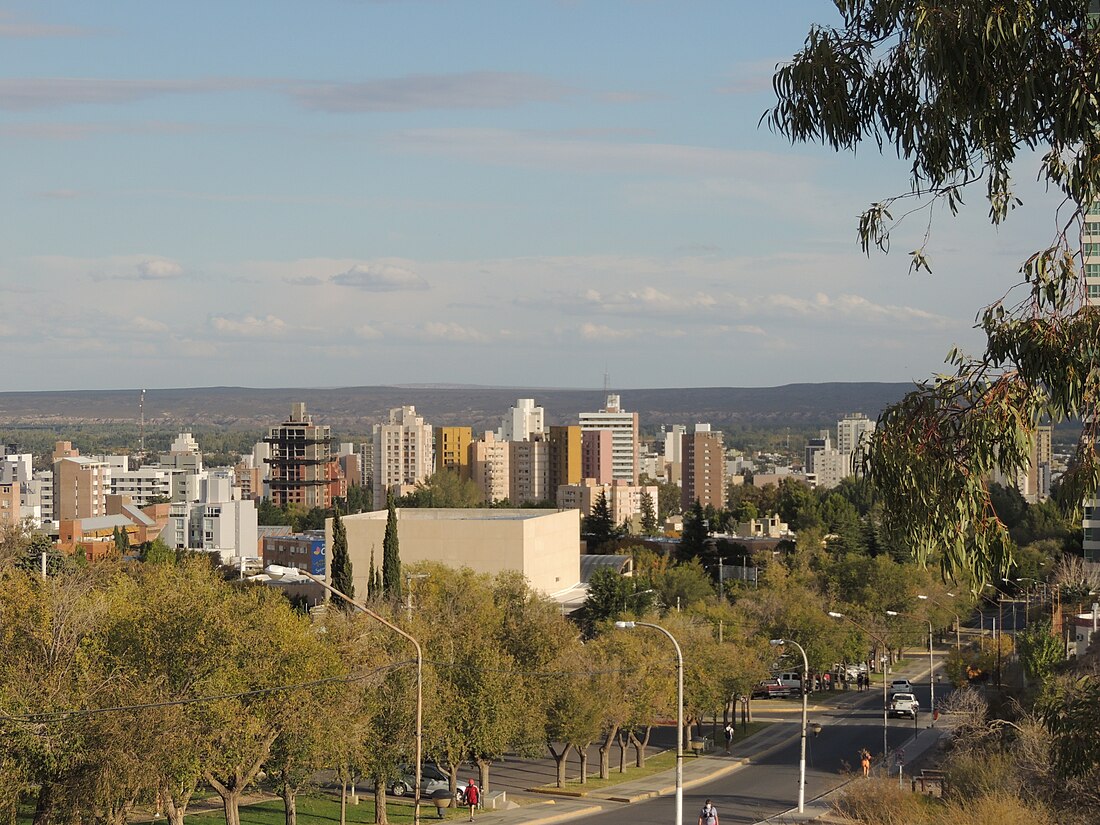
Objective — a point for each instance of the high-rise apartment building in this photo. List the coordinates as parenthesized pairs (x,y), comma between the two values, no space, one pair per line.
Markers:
(704,465)
(624,437)
(853,433)
(9,504)
(822,442)
(302,463)
(596,449)
(402,454)
(489,467)
(529,472)
(673,456)
(452,449)
(523,422)
(80,484)
(565,456)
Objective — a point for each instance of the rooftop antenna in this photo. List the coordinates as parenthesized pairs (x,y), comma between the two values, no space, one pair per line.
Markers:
(606,381)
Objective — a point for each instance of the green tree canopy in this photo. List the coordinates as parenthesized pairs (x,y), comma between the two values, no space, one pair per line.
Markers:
(967,93)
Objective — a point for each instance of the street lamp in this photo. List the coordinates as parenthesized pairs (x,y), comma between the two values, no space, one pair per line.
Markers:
(805,697)
(958,638)
(408,593)
(931,667)
(276,571)
(679,712)
(885,711)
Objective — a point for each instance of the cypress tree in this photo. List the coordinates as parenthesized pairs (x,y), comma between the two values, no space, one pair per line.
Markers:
(649,515)
(341,564)
(372,584)
(391,558)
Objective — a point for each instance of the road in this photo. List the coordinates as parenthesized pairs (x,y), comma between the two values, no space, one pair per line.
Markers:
(770,786)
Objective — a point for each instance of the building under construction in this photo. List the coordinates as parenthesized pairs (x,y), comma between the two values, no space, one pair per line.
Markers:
(304,469)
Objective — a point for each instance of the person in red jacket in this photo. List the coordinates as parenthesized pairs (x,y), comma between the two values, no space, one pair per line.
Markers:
(473,797)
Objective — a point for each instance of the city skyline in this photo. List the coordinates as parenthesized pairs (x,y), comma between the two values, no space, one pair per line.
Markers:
(480,193)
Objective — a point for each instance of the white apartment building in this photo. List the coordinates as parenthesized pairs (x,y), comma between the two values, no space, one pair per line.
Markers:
(142,484)
(402,454)
(830,467)
(853,432)
(624,437)
(15,468)
(673,448)
(218,524)
(523,422)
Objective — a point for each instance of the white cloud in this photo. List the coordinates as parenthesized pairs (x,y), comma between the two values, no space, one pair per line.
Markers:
(248,326)
(750,329)
(467,90)
(455,333)
(140,323)
(367,332)
(380,277)
(600,332)
(26,94)
(159,269)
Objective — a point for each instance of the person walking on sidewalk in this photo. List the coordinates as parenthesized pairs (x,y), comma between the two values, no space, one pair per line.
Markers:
(729,736)
(473,797)
(709,814)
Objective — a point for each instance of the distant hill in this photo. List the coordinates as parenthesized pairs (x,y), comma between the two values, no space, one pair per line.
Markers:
(354,409)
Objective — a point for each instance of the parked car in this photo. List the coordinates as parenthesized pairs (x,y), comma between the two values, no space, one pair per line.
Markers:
(792,680)
(901,686)
(432,779)
(770,689)
(903,704)
(850,671)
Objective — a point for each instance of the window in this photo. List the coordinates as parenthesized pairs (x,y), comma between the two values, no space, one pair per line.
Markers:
(1094,292)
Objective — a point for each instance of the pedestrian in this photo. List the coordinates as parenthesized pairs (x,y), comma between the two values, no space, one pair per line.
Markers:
(708,815)
(729,736)
(473,797)
(859,682)
(865,761)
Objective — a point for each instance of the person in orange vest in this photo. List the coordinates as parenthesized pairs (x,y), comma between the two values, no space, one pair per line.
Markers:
(473,797)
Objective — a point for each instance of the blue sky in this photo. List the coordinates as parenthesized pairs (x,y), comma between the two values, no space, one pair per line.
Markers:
(520,192)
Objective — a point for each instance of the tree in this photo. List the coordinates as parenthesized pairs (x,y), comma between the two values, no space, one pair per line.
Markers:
(1040,650)
(157,552)
(694,534)
(649,515)
(958,90)
(391,554)
(341,563)
(444,488)
(610,595)
(599,526)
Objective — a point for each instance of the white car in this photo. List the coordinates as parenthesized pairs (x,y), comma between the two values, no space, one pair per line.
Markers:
(901,686)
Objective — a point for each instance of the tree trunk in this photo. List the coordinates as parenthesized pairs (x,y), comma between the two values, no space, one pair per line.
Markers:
(343,801)
(559,760)
(605,751)
(176,812)
(640,746)
(620,737)
(290,804)
(582,753)
(231,804)
(43,807)
(380,801)
(483,774)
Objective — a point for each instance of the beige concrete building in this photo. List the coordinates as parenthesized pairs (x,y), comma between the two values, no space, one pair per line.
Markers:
(402,454)
(1033,481)
(80,484)
(489,467)
(543,545)
(624,500)
(529,471)
(9,504)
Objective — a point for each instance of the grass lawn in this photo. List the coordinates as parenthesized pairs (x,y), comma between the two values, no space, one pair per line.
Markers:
(655,764)
(319,809)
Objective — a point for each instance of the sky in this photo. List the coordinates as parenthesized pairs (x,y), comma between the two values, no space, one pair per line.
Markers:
(490,192)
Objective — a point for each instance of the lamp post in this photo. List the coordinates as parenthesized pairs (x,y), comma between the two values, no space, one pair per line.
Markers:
(679,712)
(958,638)
(408,593)
(805,696)
(931,668)
(276,571)
(885,712)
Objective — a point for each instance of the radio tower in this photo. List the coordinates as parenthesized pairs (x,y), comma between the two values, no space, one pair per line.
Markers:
(141,409)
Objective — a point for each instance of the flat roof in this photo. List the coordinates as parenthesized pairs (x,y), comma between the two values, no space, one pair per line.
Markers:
(459,514)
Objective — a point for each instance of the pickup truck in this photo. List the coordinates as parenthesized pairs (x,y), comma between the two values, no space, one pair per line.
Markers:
(903,704)
(770,689)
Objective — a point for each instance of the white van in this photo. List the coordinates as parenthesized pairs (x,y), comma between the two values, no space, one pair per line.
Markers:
(792,680)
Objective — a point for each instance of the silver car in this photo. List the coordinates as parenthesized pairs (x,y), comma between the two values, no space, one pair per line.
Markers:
(432,779)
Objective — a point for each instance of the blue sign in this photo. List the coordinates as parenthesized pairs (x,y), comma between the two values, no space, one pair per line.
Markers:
(317,557)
